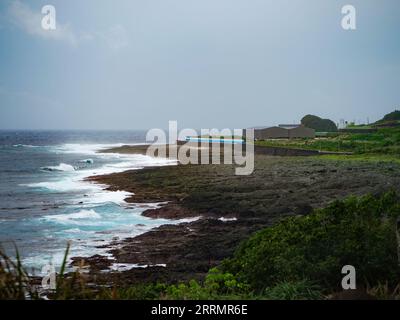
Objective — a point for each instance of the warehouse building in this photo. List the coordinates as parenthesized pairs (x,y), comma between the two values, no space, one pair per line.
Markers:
(284,132)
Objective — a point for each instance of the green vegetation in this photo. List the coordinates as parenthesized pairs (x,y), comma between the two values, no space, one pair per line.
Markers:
(318,124)
(298,258)
(302,257)
(357,231)
(294,290)
(392,116)
(385,141)
(216,286)
(352,125)
(14,281)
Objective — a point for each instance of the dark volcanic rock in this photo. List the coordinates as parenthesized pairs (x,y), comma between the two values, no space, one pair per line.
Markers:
(279,187)
(96,262)
(170,211)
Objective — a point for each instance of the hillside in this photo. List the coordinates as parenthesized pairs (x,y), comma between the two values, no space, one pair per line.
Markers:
(392,116)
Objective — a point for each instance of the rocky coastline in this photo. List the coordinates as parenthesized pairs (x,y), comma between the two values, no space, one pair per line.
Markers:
(225,210)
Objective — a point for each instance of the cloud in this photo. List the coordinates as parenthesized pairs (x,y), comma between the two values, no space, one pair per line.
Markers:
(31,22)
(116,37)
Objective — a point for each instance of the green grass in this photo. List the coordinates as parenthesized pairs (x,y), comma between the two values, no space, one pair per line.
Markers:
(385,141)
(359,126)
(374,158)
(14,280)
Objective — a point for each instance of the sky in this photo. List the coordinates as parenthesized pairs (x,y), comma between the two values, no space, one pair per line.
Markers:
(130,64)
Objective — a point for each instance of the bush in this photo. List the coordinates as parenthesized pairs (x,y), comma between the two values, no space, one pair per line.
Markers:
(299,290)
(357,231)
(217,285)
(137,292)
(318,124)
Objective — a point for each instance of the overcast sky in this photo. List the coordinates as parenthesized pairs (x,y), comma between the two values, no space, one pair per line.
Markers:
(130,64)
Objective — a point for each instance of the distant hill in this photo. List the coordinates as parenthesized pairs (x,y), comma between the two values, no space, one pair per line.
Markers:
(319,124)
(392,116)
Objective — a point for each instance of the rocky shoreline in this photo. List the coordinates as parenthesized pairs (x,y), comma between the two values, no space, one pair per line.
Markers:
(229,209)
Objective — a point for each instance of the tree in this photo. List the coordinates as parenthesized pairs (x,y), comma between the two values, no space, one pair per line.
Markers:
(319,124)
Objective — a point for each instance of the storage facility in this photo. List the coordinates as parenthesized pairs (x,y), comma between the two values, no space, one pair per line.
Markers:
(284,132)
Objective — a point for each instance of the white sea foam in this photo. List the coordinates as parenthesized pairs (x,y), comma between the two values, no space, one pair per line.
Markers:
(63,185)
(96,193)
(227,219)
(88,161)
(55,257)
(187,220)
(25,146)
(93,216)
(88,149)
(60,167)
(104,196)
(129,266)
(70,217)
(75,230)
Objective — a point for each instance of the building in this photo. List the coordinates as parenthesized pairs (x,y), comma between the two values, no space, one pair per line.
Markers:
(301,132)
(271,133)
(290,126)
(284,132)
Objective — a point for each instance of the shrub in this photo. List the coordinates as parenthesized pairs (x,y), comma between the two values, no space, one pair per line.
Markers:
(299,290)
(357,231)
(318,124)
(217,285)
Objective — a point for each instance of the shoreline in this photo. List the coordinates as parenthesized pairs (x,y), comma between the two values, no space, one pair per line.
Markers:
(231,209)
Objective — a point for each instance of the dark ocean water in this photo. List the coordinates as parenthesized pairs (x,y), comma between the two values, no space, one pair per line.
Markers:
(44,202)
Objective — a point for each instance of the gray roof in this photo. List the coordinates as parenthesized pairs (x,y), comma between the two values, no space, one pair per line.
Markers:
(282,126)
(290,126)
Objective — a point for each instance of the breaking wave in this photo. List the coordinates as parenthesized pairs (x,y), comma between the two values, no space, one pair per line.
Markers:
(70,217)
(60,167)
(88,161)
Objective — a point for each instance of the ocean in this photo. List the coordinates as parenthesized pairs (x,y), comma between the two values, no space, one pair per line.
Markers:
(45,202)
